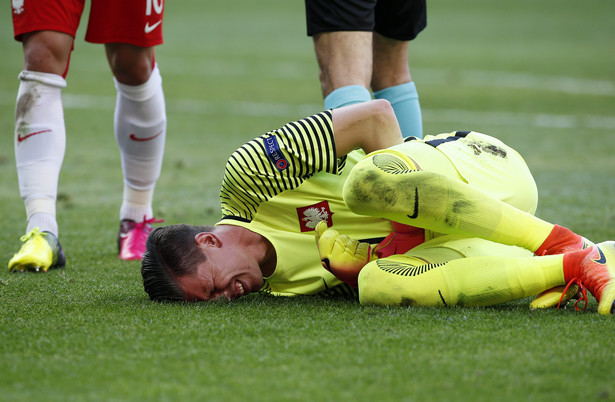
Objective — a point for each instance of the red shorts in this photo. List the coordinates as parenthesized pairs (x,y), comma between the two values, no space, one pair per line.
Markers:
(111,21)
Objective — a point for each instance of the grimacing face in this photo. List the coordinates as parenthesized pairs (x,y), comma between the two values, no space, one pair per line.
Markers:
(227,272)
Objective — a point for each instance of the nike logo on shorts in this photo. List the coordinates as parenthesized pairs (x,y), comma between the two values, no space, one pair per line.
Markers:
(20,138)
(149,28)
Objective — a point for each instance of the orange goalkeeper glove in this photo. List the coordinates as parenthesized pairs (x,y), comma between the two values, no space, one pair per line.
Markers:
(342,256)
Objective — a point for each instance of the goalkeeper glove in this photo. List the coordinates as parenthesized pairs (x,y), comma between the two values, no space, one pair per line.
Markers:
(342,256)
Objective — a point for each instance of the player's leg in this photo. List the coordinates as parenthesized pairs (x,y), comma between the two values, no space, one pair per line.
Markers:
(40,133)
(343,46)
(345,65)
(473,272)
(451,271)
(397,22)
(406,184)
(47,31)
(140,113)
(140,131)
(391,81)
(140,125)
(40,143)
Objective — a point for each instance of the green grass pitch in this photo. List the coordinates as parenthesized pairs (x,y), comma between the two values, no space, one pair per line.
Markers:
(537,74)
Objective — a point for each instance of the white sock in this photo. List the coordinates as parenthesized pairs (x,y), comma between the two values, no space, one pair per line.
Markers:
(46,222)
(40,143)
(140,130)
(136,204)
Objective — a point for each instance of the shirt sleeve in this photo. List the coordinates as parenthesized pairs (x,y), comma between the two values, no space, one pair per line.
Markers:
(277,161)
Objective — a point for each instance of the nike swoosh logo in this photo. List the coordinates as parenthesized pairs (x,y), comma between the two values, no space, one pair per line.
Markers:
(20,138)
(442,298)
(135,138)
(415,213)
(149,28)
(602,259)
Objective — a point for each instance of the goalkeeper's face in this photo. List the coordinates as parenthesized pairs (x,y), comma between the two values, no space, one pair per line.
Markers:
(226,273)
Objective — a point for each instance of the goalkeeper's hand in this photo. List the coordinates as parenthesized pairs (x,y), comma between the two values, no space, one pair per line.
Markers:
(342,256)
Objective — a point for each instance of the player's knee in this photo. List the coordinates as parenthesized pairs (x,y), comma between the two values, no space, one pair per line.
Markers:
(136,74)
(47,52)
(358,189)
(380,181)
(131,65)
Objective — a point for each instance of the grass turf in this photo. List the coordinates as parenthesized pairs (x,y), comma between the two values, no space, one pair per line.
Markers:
(538,74)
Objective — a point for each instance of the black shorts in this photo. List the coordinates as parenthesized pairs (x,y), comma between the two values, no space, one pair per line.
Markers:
(396,19)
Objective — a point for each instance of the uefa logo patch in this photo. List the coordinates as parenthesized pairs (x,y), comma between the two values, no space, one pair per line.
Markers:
(310,215)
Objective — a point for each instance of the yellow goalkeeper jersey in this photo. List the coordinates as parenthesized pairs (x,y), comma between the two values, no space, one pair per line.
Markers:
(280,185)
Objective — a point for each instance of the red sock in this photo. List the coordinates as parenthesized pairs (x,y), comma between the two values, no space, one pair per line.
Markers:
(559,241)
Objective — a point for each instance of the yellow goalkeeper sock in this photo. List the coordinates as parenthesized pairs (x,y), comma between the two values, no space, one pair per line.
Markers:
(389,184)
(473,281)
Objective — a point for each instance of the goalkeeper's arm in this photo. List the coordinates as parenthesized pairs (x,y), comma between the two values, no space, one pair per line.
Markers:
(368,125)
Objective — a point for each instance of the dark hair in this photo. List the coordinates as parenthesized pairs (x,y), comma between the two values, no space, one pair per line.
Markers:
(170,252)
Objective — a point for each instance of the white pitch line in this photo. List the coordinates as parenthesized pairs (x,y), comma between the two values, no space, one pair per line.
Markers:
(459,116)
(244,108)
(540,120)
(427,76)
(503,79)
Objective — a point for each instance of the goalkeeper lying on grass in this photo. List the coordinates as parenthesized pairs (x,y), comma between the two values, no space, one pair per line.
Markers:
(443,221)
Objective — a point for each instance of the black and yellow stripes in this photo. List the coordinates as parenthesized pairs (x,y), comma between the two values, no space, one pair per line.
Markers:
(276,162)
(403,269)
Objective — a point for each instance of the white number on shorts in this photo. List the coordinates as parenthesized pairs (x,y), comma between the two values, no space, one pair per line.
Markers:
(157,6)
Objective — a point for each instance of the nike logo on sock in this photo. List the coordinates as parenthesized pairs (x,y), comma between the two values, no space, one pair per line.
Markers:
(20,138)
(415,213)
(149,28)
(134,137)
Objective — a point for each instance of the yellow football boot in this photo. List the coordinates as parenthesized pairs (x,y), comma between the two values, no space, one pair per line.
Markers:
(40,251)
